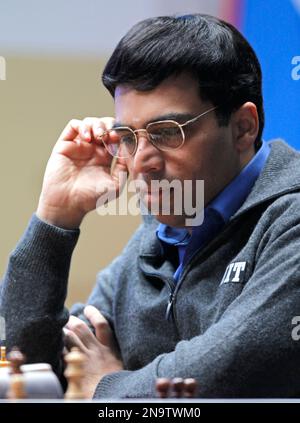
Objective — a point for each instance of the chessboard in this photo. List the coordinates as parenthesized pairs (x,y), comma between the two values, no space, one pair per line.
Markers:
(19,381)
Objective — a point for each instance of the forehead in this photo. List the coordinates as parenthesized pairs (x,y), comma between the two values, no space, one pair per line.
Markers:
(175,94)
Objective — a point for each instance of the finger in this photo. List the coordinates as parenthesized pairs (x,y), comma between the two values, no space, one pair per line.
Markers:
(119,173)
(84,128)
(82,330)
(105,122)
(71,131)
(100,126)
(76,130)
(102,329)
(72,340)
(85,131)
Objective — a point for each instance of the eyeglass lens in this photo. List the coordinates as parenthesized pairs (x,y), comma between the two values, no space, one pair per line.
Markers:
(121,142)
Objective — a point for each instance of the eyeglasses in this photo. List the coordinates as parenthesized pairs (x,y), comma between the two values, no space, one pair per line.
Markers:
(165,135)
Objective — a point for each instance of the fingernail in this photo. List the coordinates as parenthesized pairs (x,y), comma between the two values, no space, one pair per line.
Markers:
(99,132)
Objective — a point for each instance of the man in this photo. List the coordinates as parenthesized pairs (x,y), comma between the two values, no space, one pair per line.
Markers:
(213,301)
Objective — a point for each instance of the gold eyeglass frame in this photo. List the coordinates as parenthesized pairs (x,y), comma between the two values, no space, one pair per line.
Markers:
(134,132)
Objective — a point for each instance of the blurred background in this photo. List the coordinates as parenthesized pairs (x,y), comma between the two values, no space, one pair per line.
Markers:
(54,52)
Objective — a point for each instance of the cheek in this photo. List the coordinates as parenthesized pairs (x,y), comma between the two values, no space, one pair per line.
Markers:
(191,160)
(206,155)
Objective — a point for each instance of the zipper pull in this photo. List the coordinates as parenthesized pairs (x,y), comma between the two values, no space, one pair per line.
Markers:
(169,311)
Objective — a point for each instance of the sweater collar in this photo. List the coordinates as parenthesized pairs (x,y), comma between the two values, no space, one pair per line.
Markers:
(280,175)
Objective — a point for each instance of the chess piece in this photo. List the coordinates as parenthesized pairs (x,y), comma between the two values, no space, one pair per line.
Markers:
(190,388)
(17,385)
(3,361)
(177,387)
(162,387)
(74,373)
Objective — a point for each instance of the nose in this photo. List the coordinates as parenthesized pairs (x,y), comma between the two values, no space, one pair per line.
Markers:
(147,158)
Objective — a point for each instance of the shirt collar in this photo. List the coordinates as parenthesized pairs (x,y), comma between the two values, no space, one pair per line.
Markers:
(235,193)
(173,236)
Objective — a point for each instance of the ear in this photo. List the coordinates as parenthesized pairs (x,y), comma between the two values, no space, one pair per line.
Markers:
(245,126)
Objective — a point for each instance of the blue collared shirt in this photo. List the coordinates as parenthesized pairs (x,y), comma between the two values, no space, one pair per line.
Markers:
(216,214)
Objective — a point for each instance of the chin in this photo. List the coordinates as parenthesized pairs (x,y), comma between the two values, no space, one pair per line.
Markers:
(171,220)
(154,206)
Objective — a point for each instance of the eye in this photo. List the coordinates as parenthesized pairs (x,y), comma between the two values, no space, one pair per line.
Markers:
(127,139)
(170,131)
(164,132)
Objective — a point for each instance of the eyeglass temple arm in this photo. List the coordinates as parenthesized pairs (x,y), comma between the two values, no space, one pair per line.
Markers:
(197,117)
(183,124)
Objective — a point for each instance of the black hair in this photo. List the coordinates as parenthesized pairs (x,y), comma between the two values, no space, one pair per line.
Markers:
(213,51)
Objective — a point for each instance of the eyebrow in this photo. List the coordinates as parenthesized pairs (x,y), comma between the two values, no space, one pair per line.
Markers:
(178,117)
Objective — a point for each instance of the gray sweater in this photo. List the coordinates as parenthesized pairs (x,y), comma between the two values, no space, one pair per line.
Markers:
(232,308)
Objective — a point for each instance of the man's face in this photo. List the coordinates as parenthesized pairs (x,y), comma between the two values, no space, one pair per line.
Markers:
(208,152)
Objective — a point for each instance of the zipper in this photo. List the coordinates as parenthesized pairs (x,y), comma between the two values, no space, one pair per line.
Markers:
(169,314)
(170,305)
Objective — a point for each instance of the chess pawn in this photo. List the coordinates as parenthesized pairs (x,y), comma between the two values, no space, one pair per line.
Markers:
(190,388)
(177,386)
(3,361)
(162,387)
(74,373)
(17,383)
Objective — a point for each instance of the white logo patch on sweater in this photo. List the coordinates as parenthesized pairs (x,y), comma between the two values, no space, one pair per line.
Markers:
(234,272)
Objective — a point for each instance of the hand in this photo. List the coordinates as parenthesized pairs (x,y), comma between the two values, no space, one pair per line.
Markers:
(102,355)
(78,173)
